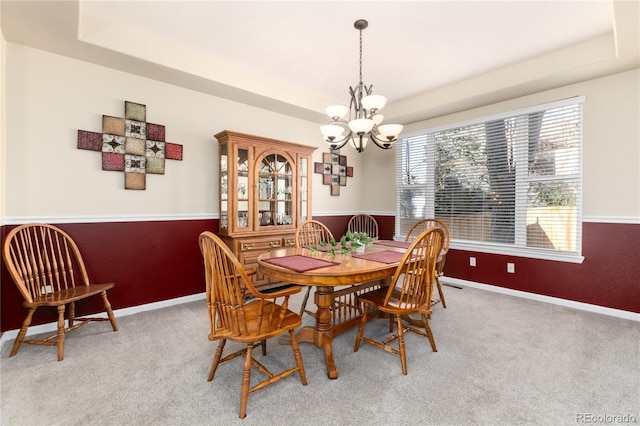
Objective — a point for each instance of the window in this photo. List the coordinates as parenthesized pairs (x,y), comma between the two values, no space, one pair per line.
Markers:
(506,184)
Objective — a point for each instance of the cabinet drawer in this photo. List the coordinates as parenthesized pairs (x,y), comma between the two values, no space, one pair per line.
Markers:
(261,245)
(249,260)
(248,248)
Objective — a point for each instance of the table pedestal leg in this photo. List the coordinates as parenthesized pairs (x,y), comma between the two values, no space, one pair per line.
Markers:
(322,334)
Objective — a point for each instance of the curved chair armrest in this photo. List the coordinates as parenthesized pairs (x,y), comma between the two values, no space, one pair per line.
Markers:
(276,294)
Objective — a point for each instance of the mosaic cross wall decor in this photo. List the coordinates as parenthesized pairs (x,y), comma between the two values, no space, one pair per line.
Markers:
(131,145)
(334,170)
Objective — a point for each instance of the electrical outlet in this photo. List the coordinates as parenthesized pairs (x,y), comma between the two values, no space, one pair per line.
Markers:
(472,261)
(511,268)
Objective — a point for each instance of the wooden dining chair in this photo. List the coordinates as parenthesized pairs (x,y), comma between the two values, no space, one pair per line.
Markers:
(240,313)
(311,233)
(408,293)
(47,267)
(363,223)
(418,228)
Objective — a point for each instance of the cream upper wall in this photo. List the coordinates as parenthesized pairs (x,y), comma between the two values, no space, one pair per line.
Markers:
(611,151)
(3,128)
(379,185)
(49,97)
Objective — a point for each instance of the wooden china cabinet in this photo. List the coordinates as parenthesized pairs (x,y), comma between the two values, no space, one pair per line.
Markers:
(265,191)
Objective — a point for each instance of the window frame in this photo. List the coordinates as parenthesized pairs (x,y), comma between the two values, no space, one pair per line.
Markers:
(522,182)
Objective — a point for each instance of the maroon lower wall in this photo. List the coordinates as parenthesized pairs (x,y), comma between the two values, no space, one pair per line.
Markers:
(148,262)
(608,277)
(160,260)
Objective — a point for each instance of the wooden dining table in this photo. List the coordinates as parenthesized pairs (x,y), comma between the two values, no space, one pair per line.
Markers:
(338,280)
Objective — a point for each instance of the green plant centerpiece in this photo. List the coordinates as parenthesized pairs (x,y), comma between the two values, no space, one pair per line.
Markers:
(351,241)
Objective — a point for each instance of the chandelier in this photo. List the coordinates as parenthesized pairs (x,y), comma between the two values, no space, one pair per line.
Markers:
(364,117)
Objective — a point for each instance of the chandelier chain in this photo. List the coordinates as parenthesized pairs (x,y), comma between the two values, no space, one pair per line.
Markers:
(360,56)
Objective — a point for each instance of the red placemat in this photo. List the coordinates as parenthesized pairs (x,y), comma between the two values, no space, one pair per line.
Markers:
(385,256)
(392,243)
(300,263)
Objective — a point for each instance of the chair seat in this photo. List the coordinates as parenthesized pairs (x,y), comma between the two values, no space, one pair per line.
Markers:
(69,295)
(377,297)
(255,320)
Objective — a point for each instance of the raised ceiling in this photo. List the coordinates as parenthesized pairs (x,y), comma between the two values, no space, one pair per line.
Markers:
(296,57)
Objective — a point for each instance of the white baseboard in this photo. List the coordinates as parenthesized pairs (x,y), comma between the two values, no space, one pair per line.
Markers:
(52,327)
(546,299)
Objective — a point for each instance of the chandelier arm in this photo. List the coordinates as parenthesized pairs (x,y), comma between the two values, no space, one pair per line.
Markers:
(355,106)
(344,138)
(368,90)
(339,143)
(381,143)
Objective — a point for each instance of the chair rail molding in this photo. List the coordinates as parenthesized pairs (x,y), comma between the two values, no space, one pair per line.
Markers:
(108,219)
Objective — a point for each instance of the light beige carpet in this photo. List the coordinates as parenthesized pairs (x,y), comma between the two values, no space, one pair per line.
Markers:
(500,361)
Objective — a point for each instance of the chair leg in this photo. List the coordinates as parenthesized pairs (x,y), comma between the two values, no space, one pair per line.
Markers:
(216,359)
(23,332)
(444,303)
(263,344)
(107,307)
(363,321)
(298,357)
(60,338)
(246,381)
(71,313)
(304,301)
(401,345)
(425,322)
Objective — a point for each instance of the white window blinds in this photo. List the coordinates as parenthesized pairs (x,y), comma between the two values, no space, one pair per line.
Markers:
(512,180)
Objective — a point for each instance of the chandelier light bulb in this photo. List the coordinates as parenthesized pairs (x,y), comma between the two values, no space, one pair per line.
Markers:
(374,102)
(390,131)
(361,125)
(377,119)
(359,143)
(332,131)
(336,112)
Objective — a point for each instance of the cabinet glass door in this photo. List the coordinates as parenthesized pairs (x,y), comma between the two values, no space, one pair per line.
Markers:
(224,186)
(302,196)
(275,186)
(243,188)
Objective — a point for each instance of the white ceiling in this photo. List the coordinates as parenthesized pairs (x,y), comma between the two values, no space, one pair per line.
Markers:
(296,57)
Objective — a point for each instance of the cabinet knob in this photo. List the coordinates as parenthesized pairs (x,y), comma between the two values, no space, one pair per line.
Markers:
(274,244)
(247,246)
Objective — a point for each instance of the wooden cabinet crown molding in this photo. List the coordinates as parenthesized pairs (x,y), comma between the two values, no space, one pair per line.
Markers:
(226,135)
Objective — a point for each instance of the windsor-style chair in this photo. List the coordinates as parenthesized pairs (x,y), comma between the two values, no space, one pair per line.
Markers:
(46,265)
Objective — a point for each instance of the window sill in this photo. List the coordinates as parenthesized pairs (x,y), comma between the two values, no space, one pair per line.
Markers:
(519,252)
